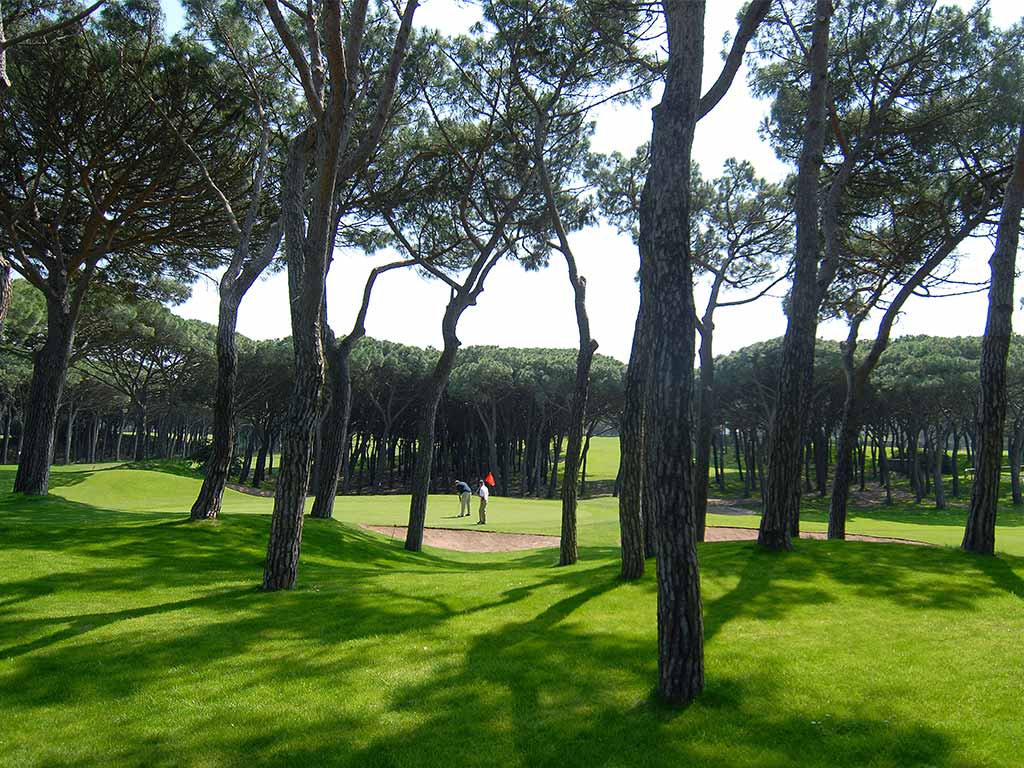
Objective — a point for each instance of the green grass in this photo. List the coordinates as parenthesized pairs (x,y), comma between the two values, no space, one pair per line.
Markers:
(603,458)
(130,637)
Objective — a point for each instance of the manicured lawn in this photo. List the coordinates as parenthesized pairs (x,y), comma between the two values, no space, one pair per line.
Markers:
(603,458)
(131,637)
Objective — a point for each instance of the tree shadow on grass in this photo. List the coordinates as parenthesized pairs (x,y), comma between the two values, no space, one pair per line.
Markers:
(545,695)
(178,467)
(757,592)
(528,664)
(1001,572)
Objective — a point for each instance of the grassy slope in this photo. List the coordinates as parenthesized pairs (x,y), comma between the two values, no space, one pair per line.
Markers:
(139,490)
(130,637)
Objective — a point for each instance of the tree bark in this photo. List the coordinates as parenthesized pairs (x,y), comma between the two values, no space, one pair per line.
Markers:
(69,432)
(250,447)
(259,472)
(955,462)
(306,252)
(1014,456)
(782,488)
(426,424)
(553,477)
(631,457)
(8,425)
(337,435)
(705,424)
(980,532)
(49,370)
(568,553)
(583,458)
(856,380)
(5,267)
(667,295)
(207,504)
(937,454)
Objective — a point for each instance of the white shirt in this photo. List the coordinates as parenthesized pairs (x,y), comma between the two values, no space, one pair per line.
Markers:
(484,493)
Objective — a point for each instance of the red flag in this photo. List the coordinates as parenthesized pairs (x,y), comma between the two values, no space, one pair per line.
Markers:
(489,479)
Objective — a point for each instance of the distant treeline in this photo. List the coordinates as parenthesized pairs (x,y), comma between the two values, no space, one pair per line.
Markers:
(143,378)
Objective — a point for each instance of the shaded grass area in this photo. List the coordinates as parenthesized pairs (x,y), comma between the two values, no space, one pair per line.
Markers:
(130,637)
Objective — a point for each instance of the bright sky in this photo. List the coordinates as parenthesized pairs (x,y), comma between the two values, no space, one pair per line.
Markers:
(535,309)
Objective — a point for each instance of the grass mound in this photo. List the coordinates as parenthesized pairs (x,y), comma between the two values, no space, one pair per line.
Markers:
(131,637)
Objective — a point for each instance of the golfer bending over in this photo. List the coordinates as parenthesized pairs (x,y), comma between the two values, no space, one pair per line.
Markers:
(465,493)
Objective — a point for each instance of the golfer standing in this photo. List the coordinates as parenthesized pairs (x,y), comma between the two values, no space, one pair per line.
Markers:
(483,493)
(465,494)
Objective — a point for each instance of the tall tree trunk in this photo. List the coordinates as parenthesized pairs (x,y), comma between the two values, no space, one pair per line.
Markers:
(5,267)
(250,447)
(862,458)
(306,253)
(849,427)
(8,426)
(490,424)
(70,431)
(541,440)
(938,446)
(583,459)
(1016,448)
(49,370)
(980,533)
(782,489)
(955,462)
(94,437)
(666,294)
(705,424)
(553,478)
(337,435)
(426,424)
(631,457)
(915,464)
(141,432)
(259,471)
(120,438)
(207,504)
(568,554)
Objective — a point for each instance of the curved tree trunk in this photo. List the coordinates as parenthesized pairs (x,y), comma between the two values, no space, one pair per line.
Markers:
(577,416)
(336,433)
(782,488)
(425,428)
(578,412)
(849,429)
(980,533)
(207,504)
(426,424)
